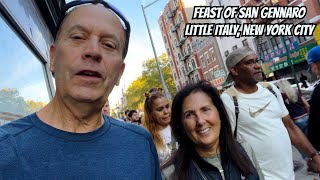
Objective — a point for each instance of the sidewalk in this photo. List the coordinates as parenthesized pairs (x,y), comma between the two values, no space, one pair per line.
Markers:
(301,172)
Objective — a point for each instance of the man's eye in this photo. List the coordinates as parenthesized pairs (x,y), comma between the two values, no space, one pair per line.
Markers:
(109,45)
(77,37)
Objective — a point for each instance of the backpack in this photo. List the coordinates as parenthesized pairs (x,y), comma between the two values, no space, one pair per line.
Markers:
(233,94)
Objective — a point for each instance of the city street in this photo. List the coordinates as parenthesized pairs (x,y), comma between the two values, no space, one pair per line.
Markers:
(301,172)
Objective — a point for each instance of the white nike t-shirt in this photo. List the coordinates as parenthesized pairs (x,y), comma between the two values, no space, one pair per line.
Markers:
(260,124)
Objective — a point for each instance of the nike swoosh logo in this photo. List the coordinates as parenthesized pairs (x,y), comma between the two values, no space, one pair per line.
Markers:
(255,114)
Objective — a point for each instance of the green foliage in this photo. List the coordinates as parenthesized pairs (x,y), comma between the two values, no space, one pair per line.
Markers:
(149,78)
(12,102)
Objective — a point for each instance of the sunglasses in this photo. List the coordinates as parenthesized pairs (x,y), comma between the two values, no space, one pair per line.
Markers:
(66,9)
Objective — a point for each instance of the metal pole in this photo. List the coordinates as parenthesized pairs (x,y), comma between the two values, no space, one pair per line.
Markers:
(164,86)
(291,64)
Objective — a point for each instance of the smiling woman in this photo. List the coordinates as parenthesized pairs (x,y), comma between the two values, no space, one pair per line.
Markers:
(207,149)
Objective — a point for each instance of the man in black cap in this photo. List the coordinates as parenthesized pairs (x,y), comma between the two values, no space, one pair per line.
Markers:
(70,138)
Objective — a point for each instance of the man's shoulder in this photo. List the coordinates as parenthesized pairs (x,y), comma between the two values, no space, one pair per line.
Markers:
(130,128)
(19,126)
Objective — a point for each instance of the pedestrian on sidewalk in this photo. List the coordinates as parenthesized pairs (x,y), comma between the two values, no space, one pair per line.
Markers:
(259,116)
(314,117)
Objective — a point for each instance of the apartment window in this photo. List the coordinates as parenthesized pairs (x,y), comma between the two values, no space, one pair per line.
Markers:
(175,42)
(213,59)
(302,39)
(197,78)
(174,76)
(234,47)
(193,64)
(289,39)
(168,51)
(183,71)
(206,76)
(165,39)
(171,63)
(226,53)
(275,42)
(179,56)
(207,58)
(203,62)
(245,43)
(180,18)
(189,48)
(265,47)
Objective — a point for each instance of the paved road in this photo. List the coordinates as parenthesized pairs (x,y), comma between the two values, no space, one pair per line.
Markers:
(302,173)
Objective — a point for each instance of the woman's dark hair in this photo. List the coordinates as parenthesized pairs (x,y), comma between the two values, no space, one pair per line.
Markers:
(229,148)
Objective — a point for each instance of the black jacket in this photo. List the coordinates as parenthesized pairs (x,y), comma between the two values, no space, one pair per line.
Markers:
(314,118)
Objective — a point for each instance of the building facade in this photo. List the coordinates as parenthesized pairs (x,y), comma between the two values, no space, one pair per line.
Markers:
(26,83)
(191,58)
(279,53)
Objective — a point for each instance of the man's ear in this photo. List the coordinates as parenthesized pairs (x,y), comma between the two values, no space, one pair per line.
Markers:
(234,71)
(52,51)
(123,65)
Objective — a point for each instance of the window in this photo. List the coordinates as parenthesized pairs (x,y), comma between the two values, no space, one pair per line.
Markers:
(206,76)
(203,62)
(180,18)
(168,51)
(289,39)
(234,47)
(189,48)
(165,39)
(193,64)
(226,53)
(171,63)
(207,58)
(245,43)
(213,59)
(211,74)
(174,76)
(23,86)
(275,42)
(197,78)
(302,39)
(179,56)
(175,42)
(265,47)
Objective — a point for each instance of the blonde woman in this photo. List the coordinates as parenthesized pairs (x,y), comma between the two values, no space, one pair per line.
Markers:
(156,120)
(296,104)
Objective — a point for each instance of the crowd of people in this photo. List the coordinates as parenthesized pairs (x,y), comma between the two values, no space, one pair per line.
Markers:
(244,133)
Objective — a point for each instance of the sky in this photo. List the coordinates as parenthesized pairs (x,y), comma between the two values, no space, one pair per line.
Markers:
(140,48)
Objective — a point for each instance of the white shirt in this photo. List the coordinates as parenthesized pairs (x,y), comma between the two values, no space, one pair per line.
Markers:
(264,130)
(164,154)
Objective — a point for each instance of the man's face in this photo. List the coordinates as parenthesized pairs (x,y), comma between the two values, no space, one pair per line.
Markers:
(315,68)
(248,70)
(135,117)
(106,109)
(87,56)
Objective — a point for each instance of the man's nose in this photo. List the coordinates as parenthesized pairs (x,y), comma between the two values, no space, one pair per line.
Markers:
(92,50)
